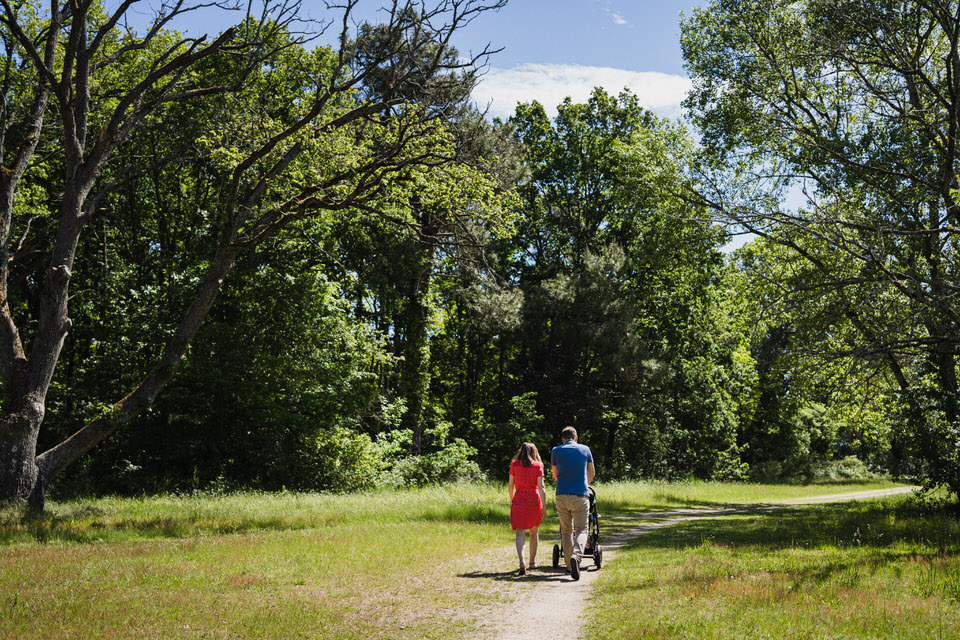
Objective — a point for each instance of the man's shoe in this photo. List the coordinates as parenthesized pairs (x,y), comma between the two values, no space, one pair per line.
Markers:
(575,568)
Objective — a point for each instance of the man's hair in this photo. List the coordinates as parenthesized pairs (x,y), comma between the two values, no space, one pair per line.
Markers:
(568,433)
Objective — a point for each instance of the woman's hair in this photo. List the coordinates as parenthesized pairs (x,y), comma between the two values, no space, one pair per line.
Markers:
(528,454)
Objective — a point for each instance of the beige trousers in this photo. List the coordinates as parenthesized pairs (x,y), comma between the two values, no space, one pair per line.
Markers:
(573,512)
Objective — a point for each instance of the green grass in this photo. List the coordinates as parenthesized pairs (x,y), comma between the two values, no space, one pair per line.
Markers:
(250,566)
(378,565)
(132,519)
(114,519)
(645,496)
(883,569)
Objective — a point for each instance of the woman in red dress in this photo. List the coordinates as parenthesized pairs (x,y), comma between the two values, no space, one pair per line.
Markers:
(528,499)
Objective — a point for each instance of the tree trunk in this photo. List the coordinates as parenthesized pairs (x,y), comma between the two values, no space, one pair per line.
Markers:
(18,450)
(415,372)
(52,461)
(947,373)
(611,441)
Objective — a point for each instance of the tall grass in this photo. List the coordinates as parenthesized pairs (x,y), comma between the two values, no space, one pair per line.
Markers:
(293,565)
(114,519)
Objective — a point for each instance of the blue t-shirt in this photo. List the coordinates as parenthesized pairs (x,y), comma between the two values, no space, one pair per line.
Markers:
(571,461)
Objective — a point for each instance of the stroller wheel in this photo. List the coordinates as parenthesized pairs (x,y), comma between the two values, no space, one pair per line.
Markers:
(598,557)
(556,556)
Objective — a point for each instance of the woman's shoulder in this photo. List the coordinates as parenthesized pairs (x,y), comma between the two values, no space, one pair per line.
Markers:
(533,464)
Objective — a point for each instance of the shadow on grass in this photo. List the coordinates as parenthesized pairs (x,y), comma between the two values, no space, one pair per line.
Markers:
(838,525)
(661,501)
(92,525)
(474,513)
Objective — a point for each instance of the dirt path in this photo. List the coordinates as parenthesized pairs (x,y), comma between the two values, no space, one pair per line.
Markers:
(546,603)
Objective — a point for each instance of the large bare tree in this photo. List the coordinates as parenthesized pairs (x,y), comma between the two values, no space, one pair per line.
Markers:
(58,63)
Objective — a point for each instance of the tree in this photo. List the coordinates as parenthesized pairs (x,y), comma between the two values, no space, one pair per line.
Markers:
(346,138)
(815,402)
(621,331)
(858,104)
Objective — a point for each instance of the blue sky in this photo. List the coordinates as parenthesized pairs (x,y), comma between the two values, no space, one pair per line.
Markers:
(556,48)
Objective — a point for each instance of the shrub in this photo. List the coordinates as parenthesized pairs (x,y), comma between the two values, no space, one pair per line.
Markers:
(450,464)
(347,460)
(849,468)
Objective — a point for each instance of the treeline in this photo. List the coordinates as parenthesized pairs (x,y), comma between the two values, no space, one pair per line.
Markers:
(356,350)
(415,290)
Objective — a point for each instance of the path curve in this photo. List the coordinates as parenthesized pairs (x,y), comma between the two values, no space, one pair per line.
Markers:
(546,603)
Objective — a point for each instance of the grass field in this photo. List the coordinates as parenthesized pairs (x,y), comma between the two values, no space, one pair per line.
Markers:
(381,565)
(248,566)
(883,569)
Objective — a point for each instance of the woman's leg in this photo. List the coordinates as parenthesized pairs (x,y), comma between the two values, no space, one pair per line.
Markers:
(520,534)
(534,541)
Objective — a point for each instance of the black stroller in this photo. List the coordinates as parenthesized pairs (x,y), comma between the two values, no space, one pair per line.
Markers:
(592,547)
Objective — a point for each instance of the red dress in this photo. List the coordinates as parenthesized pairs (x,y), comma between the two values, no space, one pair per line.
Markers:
(526,510)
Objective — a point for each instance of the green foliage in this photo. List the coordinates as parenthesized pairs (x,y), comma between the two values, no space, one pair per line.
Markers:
(442,461)
(496,441)
(347,460)
(811,411)
(849,468)
(623,328)
(278,368)
(290,376)
(492,283)
(451,464)
(813,95)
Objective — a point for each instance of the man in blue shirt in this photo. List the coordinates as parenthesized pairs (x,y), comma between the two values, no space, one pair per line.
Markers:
(573,470)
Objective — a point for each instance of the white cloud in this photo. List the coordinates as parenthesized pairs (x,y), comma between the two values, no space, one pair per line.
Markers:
(549,84)
(618,19)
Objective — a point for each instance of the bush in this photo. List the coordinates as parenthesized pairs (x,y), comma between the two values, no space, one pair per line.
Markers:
(768,471)
(450,464)
(849,468)
(348,461)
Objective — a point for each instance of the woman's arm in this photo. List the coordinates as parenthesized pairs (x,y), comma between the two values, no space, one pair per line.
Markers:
(543,493)
(510,487)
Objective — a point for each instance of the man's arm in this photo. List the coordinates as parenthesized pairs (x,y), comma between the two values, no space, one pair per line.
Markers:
(591,472)
(554,468)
